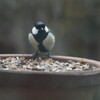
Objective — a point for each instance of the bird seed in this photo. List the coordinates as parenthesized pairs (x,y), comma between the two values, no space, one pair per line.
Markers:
(46,65)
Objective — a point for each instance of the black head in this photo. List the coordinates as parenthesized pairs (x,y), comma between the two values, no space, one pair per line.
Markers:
(40,25)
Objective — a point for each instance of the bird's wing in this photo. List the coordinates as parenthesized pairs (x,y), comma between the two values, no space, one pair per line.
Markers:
(33,41)
(49,41)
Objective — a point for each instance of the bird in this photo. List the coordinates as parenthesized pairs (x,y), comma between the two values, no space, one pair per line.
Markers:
(42,39)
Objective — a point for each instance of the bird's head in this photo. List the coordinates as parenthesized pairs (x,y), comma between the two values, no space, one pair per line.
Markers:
(39,25)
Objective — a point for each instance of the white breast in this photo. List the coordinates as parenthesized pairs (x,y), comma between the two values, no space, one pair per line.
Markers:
(49,41)
(33,41)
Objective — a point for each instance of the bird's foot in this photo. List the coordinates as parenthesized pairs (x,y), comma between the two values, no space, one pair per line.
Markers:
(35,55)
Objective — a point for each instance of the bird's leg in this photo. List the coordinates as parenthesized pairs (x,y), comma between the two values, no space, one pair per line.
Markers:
(34,56)
(48,55)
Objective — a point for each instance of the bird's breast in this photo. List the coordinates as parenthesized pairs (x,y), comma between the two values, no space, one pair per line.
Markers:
(40,36)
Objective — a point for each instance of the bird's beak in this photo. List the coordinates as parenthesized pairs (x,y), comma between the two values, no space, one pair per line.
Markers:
(41,28)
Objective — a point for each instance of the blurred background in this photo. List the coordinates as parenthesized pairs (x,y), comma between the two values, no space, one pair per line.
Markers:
(75,23)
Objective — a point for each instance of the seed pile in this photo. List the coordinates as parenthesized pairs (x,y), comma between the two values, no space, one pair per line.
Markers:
(47,65)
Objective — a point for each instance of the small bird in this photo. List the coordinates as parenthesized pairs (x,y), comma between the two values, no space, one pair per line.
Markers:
(42,39)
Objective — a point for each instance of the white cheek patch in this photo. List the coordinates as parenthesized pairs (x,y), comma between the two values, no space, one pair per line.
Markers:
(34,31)
(46,29)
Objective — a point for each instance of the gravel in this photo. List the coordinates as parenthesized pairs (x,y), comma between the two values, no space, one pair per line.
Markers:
(46,65)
